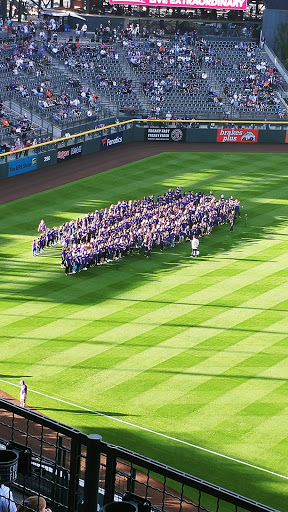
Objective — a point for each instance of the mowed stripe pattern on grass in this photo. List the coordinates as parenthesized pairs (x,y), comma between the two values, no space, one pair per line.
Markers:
(193,349)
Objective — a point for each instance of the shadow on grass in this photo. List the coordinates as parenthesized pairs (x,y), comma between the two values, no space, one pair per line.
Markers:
(155,371)
(130,272)
(14,376)
(81,412)
(245,479)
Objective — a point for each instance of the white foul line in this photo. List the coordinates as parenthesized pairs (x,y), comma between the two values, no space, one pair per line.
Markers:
(152,432)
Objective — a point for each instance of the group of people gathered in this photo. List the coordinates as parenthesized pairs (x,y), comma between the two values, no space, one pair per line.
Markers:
(141,225)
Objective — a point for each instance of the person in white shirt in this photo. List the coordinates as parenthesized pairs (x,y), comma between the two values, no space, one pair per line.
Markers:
(7,503)
(23,393)
(194,246)
(84,29)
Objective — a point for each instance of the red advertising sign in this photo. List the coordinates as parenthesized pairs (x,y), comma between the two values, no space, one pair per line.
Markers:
(192,4)
(237,135)
(286,138)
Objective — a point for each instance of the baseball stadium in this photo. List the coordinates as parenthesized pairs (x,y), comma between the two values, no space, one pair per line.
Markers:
(143,250)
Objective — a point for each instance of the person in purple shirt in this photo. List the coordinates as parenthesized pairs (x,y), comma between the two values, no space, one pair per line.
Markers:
(105,236)
(34,248)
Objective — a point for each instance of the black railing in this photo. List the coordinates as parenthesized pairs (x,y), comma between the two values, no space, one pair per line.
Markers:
(76,472)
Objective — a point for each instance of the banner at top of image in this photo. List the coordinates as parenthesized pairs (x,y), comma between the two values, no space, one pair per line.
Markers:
(192,4)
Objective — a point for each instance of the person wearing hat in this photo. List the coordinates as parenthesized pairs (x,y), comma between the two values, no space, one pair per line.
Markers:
(33,504)
(23,393)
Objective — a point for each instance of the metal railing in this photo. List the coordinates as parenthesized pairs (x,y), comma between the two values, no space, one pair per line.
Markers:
(76,472)
(276,62)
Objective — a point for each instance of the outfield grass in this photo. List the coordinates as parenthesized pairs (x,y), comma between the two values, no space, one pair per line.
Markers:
(195,350)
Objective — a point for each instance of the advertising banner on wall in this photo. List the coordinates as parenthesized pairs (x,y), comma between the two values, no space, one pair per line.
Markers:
(166,134)
(237,135)
(192,4)
(286,138)
(113,139)
(21,165)
(69,152)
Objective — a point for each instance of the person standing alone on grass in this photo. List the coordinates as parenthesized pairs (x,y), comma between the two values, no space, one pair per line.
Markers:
(194,246)
(23,393)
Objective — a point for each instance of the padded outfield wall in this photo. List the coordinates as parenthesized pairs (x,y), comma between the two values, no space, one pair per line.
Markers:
(136,130)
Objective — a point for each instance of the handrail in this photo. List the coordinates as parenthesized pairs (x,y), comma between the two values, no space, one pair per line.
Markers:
(277,62)
(94,444)
(133,120)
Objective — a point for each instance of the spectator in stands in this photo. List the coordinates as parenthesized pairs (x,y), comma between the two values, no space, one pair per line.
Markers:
(33,504)
(84,29)
(7,503)
(77,30)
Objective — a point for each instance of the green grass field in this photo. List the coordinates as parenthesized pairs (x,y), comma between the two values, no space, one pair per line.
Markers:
(193,349)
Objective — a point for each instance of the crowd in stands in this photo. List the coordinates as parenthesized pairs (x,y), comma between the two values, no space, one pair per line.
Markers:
(94,64)
(155,56)
(107,235)
(250,81)
(181,64)
(29,58)
(195,71)
(17,127)
(28,67)
(68,104)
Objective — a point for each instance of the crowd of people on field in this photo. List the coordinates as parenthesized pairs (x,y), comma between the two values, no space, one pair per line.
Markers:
(111,233)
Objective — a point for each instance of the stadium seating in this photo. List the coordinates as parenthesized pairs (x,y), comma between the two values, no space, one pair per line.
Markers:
(177,77)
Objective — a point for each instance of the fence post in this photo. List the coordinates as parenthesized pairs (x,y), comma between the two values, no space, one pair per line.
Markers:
(132,481)
(110,475)
(75,456)
(92,472)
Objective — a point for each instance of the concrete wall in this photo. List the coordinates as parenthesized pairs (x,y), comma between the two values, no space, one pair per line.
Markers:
(271,21)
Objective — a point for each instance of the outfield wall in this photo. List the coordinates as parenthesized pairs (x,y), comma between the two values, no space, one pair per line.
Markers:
(141,130)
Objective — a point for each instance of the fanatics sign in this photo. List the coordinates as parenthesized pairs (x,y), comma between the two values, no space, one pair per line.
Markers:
(237,135)
(114,139)
(192,4)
